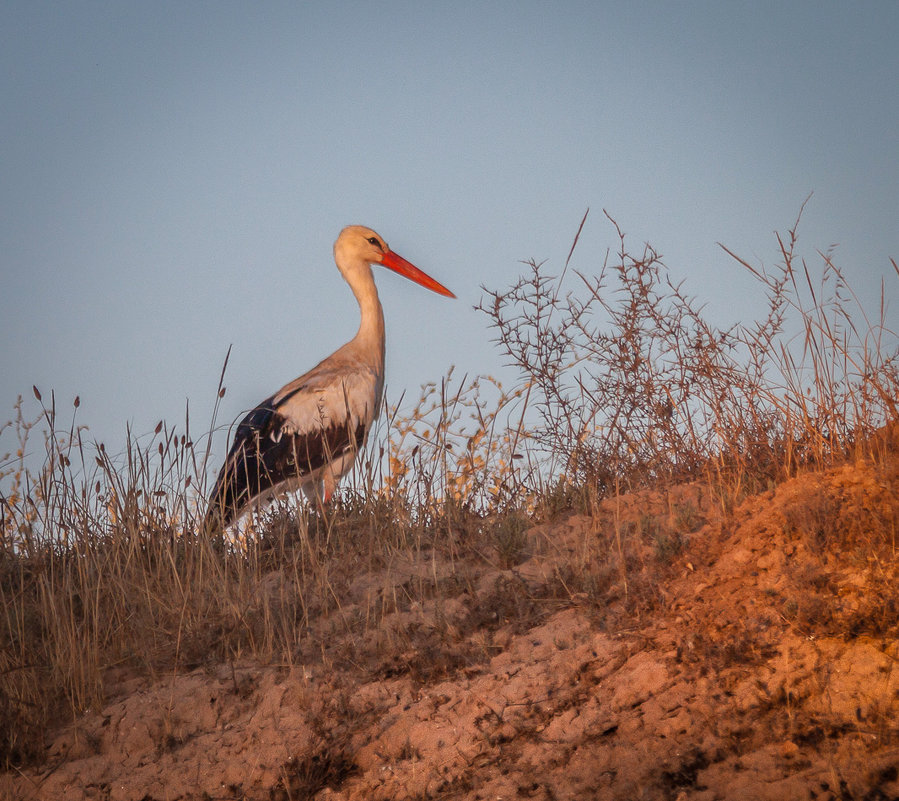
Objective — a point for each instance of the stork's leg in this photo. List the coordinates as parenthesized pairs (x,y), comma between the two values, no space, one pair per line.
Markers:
(315,493)
(329,485)
(319,493)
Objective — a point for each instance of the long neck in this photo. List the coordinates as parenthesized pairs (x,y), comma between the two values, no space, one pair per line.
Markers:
(370,336)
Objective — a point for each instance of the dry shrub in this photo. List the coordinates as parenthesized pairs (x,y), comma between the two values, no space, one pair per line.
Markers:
(459,445)
(630,384)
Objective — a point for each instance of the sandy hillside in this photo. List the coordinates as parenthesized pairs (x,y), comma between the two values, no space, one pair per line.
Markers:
(657,649)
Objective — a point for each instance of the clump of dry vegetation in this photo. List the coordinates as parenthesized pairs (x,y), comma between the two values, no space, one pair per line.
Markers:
(631,384)
(622,384)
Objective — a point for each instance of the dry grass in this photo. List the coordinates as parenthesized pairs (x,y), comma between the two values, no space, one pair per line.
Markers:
(622,383)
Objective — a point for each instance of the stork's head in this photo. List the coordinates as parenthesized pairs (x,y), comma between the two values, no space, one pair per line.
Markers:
(358,245)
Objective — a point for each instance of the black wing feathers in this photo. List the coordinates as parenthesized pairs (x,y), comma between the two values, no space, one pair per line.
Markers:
(264,455)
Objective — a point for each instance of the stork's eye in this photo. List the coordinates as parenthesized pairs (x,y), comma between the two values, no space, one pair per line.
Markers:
(373,240)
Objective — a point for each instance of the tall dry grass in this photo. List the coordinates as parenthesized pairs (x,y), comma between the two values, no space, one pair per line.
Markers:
(620,381)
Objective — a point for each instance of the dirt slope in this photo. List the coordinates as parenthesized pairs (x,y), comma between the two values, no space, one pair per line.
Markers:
(654,650)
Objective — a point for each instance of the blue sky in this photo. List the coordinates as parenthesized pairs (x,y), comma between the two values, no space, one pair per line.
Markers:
(174,174)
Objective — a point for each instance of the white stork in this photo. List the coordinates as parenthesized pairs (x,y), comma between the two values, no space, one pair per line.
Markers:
(306,436)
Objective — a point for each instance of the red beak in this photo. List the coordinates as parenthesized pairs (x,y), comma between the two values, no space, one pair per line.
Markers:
(400,265)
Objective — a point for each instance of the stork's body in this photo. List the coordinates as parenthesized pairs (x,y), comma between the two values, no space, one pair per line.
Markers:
(306,436)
